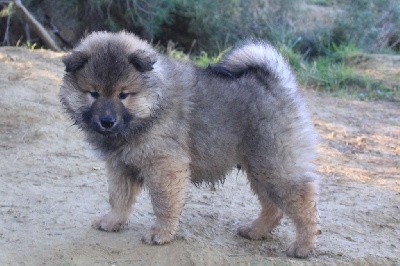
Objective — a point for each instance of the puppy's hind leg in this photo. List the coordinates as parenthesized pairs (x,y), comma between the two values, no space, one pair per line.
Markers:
(267,220)
(300,205)
(294,196)
(123,187)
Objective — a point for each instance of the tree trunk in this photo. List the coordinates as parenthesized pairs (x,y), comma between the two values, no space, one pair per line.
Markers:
(36,26)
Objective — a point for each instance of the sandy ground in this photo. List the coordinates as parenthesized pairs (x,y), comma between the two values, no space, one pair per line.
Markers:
(52,187)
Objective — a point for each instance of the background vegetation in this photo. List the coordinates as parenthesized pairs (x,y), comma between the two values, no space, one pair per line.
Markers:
(320,38)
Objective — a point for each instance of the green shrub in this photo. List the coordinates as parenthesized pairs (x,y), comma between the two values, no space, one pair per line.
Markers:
(201,30)
(369,24)
(321,2)
(335,74)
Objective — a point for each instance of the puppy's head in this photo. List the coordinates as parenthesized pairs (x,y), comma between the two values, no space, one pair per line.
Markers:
(108,86)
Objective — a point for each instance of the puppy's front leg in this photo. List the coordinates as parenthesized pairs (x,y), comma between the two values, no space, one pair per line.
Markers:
(124,184)
(167,187)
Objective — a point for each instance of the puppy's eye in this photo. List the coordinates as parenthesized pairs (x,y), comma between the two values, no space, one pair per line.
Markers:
(94,94)
(123,95)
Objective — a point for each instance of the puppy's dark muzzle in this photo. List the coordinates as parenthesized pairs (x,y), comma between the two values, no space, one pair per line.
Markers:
(107,122)
(108,125)
(107,116)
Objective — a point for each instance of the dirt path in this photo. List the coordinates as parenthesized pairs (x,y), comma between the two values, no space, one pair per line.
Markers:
(52,187)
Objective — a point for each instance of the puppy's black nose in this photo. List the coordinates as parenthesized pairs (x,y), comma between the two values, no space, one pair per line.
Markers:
(107,121)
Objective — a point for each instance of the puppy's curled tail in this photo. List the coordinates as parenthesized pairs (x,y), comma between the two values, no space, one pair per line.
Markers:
(256,56)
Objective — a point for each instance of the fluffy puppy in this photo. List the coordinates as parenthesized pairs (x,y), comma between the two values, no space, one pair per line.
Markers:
(163,124)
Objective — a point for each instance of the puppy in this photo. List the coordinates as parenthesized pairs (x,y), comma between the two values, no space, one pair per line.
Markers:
(163,124)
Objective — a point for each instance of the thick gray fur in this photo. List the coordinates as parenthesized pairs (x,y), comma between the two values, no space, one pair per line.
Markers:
(187,123)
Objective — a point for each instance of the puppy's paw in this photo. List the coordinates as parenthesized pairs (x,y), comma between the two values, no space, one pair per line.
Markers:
(298,250)
(110,223)
(158,236)
(249,232)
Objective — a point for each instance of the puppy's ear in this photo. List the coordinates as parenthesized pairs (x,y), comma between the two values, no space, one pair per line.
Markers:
(75,61)
(143,61)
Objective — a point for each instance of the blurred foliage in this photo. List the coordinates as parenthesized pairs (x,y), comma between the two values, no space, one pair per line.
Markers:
(201,30)
(321,2)
(369,24)
(7,11)
(334,73)
(212,26)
